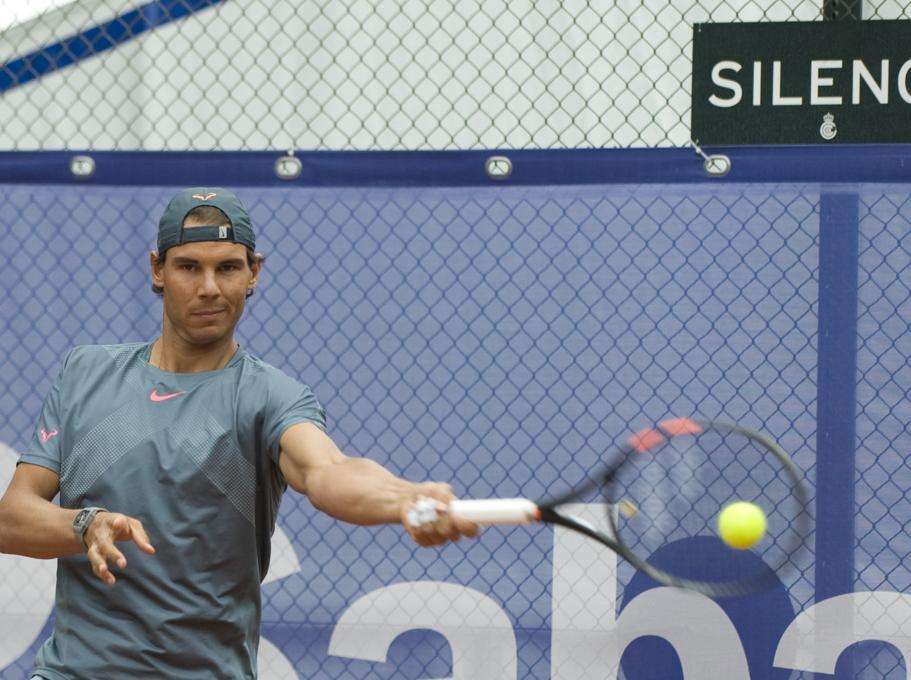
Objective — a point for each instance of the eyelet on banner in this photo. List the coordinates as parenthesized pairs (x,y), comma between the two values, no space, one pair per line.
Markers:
(82,166)
(498,167)
(288,167)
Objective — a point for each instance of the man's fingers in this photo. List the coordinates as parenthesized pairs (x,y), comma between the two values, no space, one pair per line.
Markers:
(446,529)
(465,527)
(115,556)
(442,528)
(436,526)
(130,529)
(100,565)
(110,553)
(120,527)
(140,537)
(102,551)
(455,527)
(430,537)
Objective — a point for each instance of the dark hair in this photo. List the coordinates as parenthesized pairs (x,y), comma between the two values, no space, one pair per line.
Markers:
(207,215)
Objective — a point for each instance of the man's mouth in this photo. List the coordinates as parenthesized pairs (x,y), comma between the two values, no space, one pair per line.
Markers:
(208,313)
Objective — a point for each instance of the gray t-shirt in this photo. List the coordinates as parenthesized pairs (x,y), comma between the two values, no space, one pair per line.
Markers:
(194,456)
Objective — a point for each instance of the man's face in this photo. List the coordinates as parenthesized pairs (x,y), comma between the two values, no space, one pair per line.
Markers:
(205,287)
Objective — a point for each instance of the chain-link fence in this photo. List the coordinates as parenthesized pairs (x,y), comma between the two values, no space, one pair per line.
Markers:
(500,338)
(883,395)
(248,74)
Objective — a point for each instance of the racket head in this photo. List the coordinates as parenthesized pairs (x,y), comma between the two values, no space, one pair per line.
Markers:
(693,460)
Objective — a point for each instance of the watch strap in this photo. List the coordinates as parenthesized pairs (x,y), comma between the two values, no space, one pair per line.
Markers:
(83,520)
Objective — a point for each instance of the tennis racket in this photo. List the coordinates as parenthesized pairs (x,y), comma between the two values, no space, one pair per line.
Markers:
(668,483)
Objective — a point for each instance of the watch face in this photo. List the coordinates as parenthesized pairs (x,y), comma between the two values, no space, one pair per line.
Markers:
(82,518)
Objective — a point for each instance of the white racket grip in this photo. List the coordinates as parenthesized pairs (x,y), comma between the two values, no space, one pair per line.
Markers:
(495,510)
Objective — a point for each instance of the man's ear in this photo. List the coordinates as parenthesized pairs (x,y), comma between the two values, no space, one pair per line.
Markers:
(157,268)
(255,269)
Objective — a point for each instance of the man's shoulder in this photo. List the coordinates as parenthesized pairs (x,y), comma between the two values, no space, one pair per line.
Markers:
(261,370)
(282,397)
(271,379)
(81,355)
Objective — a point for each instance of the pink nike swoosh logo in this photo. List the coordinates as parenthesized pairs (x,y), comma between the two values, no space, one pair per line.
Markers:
(154,396)
(45,435)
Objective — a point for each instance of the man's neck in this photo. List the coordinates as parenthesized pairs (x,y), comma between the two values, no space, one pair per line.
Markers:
(175,356)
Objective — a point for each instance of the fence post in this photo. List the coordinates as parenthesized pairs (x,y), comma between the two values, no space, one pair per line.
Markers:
(836,396)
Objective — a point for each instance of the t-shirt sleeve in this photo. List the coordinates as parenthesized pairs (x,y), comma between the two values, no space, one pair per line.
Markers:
(290,402)
(46,448)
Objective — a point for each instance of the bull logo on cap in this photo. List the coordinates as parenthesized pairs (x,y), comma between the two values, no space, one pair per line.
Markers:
(208,196)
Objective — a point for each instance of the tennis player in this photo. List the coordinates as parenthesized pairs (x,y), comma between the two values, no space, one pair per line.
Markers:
(170,458)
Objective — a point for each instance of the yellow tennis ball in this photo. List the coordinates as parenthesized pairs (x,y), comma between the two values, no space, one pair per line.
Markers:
(741,525)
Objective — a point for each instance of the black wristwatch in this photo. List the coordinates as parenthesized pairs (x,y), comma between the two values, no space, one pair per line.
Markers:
(82,520)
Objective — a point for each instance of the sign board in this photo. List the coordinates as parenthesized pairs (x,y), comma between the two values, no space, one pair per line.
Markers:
(802,82)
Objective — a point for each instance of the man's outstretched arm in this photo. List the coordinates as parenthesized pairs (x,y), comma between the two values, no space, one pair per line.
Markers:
(361,491)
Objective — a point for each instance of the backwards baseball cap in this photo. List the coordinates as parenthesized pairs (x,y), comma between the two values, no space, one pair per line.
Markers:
(171,231)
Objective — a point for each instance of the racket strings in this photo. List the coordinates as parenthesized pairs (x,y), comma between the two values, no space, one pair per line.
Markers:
(677,490)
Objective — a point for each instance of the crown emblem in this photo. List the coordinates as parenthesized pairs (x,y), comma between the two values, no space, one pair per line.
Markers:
(828,130)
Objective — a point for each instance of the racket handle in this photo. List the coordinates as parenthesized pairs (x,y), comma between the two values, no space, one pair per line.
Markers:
(481,511)
(496,510)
